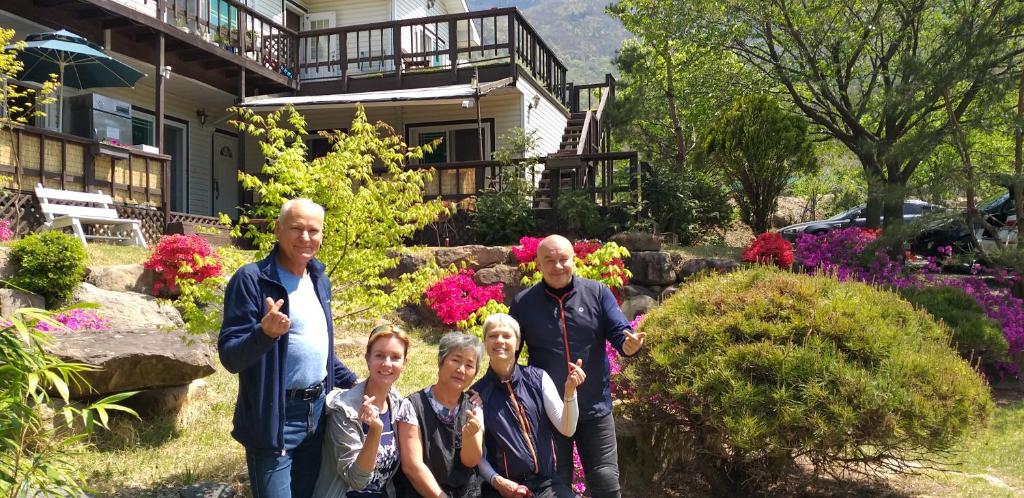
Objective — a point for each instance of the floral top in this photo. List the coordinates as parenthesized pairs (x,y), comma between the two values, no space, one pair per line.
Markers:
(387,460)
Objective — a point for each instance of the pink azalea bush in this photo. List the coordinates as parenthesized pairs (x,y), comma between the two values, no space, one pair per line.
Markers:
(5,231)
(76,319)
(455,297)
(182,257)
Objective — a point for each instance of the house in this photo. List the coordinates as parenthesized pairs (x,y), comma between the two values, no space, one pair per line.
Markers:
(429,68)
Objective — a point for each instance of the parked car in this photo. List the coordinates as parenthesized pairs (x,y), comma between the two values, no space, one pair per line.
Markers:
(956,232)
(855,217)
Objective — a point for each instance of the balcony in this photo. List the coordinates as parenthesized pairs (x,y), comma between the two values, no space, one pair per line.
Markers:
(217,42)
(428,51)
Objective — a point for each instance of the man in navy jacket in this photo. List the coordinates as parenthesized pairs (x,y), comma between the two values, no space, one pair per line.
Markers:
(565,318)
(278,337)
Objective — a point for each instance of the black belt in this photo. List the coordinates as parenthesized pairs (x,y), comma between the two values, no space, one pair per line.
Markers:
(305,393)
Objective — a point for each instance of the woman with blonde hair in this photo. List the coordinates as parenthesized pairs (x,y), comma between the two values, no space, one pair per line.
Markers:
(361,452)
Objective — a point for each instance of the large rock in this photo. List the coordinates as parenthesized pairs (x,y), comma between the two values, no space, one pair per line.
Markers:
(629,291)
(637,305)
(167,401)
(474,256)
(651,268)
(510,276)
(692,267)
(130,310)
(121,278)
(717,265)
(129,360)
(638,241)
(407,263)
(13,299)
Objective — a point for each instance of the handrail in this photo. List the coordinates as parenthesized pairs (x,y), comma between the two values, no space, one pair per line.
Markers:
(584,134)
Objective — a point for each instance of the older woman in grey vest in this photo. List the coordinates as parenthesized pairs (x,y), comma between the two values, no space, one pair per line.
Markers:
(440,430)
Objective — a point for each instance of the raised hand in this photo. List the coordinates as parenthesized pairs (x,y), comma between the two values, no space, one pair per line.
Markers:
(633,342)
(274,323)
(574,379)
(474,422)
(369,414)
(508,488)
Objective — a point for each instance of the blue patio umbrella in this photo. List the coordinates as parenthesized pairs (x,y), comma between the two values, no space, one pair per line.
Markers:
(78,63)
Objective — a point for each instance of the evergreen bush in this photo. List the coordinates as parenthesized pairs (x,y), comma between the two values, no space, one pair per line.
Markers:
(769,375)
(50,264)
(975,336)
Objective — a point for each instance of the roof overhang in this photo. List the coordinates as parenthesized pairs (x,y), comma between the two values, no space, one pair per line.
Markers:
(430,95)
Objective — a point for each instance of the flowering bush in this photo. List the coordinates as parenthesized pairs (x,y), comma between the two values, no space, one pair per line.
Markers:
(596,261)
(5,231)
(456,297)
(771,249)
(181,257)
(76,319)
(526,252)
(850,253)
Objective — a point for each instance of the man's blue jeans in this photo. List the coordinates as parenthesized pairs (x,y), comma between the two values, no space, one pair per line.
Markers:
(293,473)
(595,440)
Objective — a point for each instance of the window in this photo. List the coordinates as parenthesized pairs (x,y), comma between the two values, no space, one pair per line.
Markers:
(440,153)
(142,131)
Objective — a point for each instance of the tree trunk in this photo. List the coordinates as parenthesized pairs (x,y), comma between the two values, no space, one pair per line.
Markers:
(876,197)
(1018,163)
(673,114)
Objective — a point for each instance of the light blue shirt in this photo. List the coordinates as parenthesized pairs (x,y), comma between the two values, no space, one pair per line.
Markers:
(307,335)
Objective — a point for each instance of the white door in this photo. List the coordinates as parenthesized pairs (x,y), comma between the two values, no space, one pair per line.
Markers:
(225,175)
(319,53)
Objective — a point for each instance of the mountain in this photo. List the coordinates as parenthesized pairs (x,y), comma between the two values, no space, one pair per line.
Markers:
(581,34)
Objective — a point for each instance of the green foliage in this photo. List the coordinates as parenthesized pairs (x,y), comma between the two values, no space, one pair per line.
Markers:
(578,216)
(504,213)
(689,203)
(372,203)
(765,372)
(202,303)
(760,147)
(838,185)
(51,264)
(975,336)
(34,456)
(475,323)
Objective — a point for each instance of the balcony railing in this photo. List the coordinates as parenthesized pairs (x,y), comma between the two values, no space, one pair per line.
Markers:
(233,26)
(436,44)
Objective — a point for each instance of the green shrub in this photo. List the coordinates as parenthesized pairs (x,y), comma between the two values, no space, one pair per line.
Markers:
(502,217)
(50,264)
(975,336)
(766,372)
(578,216)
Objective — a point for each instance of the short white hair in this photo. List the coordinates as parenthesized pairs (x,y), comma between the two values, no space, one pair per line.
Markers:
(299,201)
(501,320)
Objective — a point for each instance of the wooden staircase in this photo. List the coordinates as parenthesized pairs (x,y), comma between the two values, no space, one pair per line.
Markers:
(566,156)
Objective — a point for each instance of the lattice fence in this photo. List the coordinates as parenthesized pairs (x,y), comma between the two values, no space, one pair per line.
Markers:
(152,220)
(32,218)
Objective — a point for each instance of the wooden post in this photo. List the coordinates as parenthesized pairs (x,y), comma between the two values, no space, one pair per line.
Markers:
(396,47)
(243,33)
(512,47)
(453,48)
(343,53)
(158,112)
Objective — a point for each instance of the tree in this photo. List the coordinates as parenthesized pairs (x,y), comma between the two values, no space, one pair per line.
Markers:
(876,74)
(372,201)
(17,107)
(761,147)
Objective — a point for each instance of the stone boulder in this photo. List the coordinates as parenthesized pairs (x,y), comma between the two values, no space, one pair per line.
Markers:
(475,256)
(717,265)
(629,291)
(668,292)
(167,401)
(121,278)
(13,299)
(508,275)
(651,268)
(692,267)
(407,263)
(129,310)
(129,360)
(637,305)
(637,241)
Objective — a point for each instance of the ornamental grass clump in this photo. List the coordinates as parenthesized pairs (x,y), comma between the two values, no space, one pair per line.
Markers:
(773,377)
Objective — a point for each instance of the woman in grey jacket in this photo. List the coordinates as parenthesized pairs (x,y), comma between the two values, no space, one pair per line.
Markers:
(361,454)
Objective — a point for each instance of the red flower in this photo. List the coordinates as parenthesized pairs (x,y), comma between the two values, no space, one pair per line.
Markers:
(527,250)
(455,297)
(770,248)
(182,256)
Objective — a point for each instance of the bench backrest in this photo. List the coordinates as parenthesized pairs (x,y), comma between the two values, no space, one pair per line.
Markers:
(82,204)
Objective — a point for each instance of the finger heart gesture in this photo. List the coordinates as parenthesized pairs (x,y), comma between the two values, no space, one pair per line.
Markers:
(369,414)
(576,377)
(274,323)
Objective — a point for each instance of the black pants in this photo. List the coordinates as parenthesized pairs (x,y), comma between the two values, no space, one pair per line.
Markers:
(595,440)
(541,487)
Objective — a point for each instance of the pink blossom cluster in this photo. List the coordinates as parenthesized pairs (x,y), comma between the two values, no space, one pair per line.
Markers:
(5,231)
(843,254)
(771,249)
(76,319)
(182,256)
(457,296)
(527,250)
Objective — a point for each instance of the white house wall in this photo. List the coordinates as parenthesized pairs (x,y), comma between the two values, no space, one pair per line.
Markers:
(350,12)
(547,120)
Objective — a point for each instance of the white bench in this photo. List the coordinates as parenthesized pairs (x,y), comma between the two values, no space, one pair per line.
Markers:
(64,208)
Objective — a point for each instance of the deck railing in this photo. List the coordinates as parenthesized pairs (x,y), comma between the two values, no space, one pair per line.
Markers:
(431,45)
(70,162)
